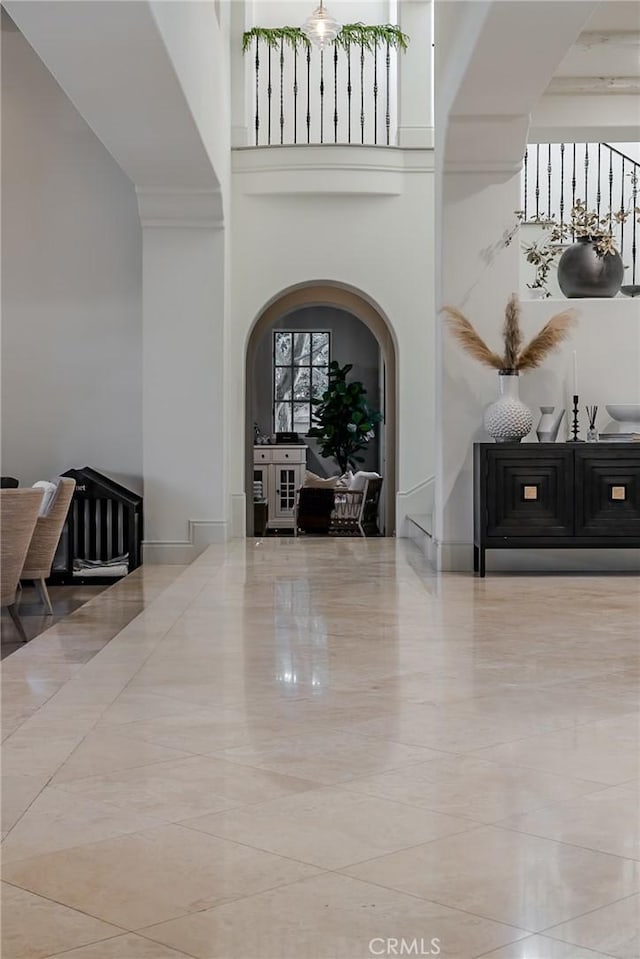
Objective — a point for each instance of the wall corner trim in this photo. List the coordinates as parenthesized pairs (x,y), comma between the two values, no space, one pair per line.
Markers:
(180,209)
(201,533)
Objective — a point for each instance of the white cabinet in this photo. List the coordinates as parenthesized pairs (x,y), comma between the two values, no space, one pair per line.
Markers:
(281,471)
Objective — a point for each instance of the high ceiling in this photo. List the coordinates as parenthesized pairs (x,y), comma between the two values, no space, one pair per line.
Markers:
(606,56)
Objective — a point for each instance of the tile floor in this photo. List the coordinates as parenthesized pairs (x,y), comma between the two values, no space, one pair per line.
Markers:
(35,619)
(312,749)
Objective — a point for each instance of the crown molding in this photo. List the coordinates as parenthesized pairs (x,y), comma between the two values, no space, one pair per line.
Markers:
(180,209)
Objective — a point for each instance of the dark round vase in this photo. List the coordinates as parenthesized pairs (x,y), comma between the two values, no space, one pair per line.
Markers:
(582,271)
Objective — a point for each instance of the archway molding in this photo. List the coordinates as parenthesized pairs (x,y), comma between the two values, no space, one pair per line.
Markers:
(351,300)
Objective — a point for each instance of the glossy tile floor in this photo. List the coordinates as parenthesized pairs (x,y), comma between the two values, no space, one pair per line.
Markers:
(35,619)
(312,749)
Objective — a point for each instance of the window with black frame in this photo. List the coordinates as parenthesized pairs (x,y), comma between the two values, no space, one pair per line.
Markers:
(300,375)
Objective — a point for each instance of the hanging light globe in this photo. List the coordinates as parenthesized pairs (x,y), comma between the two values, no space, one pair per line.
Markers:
(320,28)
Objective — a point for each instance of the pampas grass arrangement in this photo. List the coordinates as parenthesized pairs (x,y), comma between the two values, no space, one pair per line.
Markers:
(514,357)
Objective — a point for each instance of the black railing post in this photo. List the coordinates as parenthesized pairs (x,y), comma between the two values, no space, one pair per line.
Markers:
(526,183)
(362,93)
(634,222)
(335,93)
(321,95)
(257,120)
(573,185)
(349,89)
(309,93)
(375,95)
(295,93)
(586,174)
(537,181)
(562,184)
(281,91)
(599,189)
(549,182)
(269,90)
(388,112)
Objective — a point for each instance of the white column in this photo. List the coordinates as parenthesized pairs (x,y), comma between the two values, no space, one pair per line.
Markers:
(184,462)
(239,69)
(415,75)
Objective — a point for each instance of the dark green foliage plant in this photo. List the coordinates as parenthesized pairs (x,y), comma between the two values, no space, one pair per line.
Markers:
(344,423)
(368,36)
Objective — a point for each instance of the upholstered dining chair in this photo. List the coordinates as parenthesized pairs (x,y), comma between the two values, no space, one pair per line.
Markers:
(18,516)
(45,539)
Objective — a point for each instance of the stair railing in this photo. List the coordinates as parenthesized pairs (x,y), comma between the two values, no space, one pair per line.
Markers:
(556,175)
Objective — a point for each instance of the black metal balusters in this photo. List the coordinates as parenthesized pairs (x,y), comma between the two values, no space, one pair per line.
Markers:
(295,94)
(634,223)
(335,94)
(362,93)
(257,120)
(388,113)
(322,95)
(281,91)
(309,94)
(622,206)
(549,196)
(280,72)
(349,88)
(269,99)
(586,174)
(573,185)
(375,96)
(561,184)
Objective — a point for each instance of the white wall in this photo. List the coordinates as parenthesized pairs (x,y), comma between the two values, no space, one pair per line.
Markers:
(380,245)
(476,210)
(71,286)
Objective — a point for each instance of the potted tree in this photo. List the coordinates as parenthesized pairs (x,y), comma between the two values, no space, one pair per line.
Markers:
(344,423)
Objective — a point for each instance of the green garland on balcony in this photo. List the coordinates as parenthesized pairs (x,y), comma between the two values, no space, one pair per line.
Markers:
(370,37)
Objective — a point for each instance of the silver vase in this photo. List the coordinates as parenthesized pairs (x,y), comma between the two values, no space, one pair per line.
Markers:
(508,420)
(549,425)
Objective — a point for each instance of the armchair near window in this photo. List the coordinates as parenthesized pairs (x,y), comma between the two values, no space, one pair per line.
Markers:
(45,539)
(346,512)
(18,515)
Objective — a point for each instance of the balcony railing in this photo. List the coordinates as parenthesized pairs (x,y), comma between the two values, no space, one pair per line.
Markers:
(346,93)
(557,175)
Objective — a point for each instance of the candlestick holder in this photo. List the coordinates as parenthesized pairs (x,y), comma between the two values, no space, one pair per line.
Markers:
(575,427)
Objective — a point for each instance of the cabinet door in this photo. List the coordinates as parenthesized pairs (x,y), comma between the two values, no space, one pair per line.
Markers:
(283,496)
(528,493)
(607,492)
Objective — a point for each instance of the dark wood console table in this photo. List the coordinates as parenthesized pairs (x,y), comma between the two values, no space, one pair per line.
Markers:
(554,495)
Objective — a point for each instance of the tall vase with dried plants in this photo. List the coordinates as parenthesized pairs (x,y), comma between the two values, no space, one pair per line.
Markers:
(509,419)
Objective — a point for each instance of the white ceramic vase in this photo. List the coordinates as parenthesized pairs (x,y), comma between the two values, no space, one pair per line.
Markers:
(508,419)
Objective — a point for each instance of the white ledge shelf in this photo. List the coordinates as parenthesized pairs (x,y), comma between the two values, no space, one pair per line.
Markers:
(328,169)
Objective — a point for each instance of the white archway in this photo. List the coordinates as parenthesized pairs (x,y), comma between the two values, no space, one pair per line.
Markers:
(325,293)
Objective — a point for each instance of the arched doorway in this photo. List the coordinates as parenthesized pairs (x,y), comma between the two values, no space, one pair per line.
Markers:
(351,301)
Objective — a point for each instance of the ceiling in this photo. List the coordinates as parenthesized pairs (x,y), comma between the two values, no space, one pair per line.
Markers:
(606,55)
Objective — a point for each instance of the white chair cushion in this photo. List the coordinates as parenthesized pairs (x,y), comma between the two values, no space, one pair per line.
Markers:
(49,491)
(360,478)
(317,482)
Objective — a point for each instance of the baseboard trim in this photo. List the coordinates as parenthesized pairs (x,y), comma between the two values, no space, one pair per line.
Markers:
(458,557)
(202,533)
(415,529)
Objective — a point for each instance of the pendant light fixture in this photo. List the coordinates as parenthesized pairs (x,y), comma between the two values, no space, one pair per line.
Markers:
(320,28)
